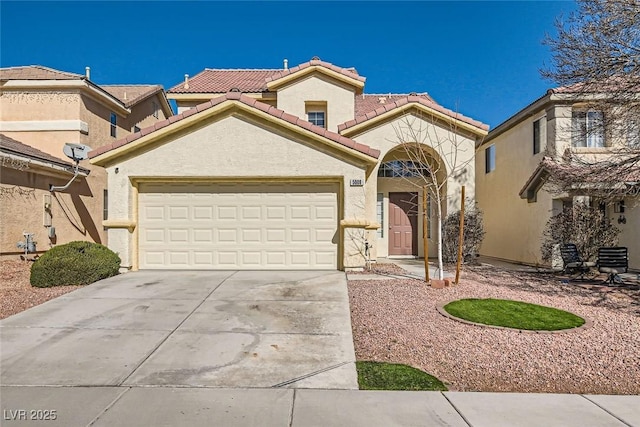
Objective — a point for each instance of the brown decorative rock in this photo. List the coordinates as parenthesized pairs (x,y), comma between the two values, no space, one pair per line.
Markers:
(438,284)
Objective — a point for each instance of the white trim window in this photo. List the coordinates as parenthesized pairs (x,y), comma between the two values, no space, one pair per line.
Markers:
(587,129)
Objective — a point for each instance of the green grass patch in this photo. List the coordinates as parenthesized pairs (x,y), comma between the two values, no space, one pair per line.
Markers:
(391,376)
(513,314)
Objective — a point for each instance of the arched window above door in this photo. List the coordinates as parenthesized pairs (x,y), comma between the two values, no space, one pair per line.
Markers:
(402,169)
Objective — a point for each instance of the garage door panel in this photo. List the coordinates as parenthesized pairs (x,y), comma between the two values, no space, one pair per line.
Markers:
(238,226)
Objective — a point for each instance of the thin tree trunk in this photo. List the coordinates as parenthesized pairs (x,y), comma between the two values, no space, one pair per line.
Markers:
(440,263)
(425,234)
(461,237)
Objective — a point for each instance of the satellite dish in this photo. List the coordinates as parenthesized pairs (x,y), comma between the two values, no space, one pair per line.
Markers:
(76,152)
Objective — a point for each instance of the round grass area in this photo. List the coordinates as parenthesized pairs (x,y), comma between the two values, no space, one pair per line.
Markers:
(513,314)
(390,376)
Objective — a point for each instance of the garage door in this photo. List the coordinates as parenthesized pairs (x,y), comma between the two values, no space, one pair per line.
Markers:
(238,226)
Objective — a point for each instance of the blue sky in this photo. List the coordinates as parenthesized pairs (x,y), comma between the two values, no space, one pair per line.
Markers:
(479,58)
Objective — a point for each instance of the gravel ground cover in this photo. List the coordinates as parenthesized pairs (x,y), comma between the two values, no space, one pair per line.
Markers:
(17,294)
(396,321)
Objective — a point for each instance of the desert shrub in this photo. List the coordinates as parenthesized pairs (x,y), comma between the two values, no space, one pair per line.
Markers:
(473,235)
(74,263)
(588,227)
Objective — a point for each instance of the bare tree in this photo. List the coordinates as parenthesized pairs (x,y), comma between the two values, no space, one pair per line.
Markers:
(435,153)
(596,54)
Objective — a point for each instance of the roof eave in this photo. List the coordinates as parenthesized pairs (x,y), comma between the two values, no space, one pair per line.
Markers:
(61,168)
(79,84)
(363,126)
(111,155)
(287,79)
(534,184)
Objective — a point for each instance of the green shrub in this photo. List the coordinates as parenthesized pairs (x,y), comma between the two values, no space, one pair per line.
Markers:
(74,263)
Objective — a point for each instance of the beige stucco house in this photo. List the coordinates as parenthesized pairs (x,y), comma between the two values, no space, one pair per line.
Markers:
(292,168)
(511,170)
(41,109)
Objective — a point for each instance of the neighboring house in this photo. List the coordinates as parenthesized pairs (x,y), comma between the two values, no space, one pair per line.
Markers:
(515,161)
(42,109)
(287,168)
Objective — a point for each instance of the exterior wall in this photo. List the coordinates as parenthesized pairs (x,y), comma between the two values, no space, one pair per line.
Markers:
(35,104)
(42,105)
(513,226)
(142,114)
(23,211)
(339,98)
(78,211)
(233,147)
(384,138)
(630,232)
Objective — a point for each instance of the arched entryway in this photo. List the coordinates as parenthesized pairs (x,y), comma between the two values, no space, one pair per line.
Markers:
(401,200)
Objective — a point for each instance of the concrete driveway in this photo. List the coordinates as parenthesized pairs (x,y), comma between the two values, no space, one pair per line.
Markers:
(194,328)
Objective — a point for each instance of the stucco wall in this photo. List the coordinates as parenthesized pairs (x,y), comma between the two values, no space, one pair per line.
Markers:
(77,212)
(237,147)
(73,212)
(316,87)
(630,232)
(142,114)
(442,140)
(36,104)
(513,226)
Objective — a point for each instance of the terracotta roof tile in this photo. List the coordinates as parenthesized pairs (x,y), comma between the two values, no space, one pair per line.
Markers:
(249,80)
(36,72)
(349,72)
(10,145)
(373,101)
(131,94)
(235,96)
(423,99)
(222,81)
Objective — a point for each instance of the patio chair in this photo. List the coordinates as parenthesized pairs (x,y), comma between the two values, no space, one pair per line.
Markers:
(572,260)
(613,261)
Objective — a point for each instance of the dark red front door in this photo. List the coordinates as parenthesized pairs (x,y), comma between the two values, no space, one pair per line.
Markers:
(403,224)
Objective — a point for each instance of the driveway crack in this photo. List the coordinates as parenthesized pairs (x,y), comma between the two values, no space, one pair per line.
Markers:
(175,329)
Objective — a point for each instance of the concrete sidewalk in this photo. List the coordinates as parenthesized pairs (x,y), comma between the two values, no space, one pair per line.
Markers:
(183,406)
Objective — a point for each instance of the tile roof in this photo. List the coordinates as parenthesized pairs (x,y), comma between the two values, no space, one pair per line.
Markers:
(349,72)
(372,101)
(251,102)
(131,94)
(36,72)
(408,100)
(222,81)
(16,147)
(249,80)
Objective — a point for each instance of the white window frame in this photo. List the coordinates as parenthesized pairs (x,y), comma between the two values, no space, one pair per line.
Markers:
(587,129)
